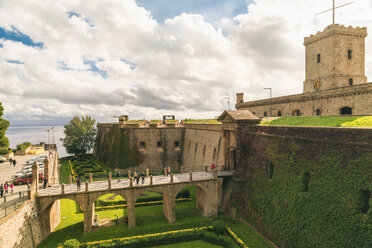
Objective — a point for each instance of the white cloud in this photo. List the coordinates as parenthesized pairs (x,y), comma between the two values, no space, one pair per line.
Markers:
(185,66)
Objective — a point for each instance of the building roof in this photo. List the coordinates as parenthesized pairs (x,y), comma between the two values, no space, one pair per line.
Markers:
(237,115)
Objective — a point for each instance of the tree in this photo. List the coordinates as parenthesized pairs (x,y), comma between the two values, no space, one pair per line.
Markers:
(80,135)
(4,124)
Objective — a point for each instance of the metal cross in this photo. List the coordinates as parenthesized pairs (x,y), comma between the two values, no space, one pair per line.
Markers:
(333,9)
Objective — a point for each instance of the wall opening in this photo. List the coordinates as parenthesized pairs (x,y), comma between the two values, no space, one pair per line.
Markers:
(296,112)
(196,147)
(346,111)
(265,113)
(176,143)
(318,58)
(158,143)
(214,153)
(271,170)
(279,113)
(305,181)
(142,145)
(350,54)
(351,82)
(318,111)
(363,201)
(204,148)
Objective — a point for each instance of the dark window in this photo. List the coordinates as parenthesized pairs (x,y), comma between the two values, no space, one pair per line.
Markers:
(204,149)
(214,153)
(265,114)
(176,143)
(279,113)
(318,58)
(318,112)
(350,54)
(351,81)
(254,113)
(196,147)
(296,112)
(346,111)
(189,145)
(159,143)
(143,145)
(241,101)
(305,182)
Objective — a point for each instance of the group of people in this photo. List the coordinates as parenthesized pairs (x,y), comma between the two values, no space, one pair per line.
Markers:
(12,162)
(4,189)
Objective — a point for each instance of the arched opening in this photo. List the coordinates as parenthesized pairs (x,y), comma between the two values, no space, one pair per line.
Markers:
(149,208)
(279,113)
(186,204)
(60,214)
(296,112)
(110,209)
(346,111)
(318,111)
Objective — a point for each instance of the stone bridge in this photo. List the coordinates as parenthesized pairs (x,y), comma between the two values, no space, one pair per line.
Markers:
(208,195)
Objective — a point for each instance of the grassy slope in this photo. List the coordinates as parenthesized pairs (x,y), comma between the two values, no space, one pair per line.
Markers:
(325,121)
(192,244)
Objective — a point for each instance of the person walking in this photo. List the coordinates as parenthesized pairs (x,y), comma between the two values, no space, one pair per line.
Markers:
(213,166)
(1,190)
(135,175)
(78,183)
(11,188)
(137,178)
(168,171)
(6,188)
(10,161)
(118,175)
(14,162)
(143,177)
(45,182)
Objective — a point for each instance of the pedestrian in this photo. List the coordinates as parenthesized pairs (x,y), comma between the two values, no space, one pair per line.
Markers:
(14,162)
(137,178)
(135,175)
(143,177)
(45,182)
(6,188)
(168,171)
(1,190)
(78,183)
(10,161)
(11,188)
(213,166)
(118,175)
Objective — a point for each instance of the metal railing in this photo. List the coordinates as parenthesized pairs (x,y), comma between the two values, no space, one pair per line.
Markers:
(11,202)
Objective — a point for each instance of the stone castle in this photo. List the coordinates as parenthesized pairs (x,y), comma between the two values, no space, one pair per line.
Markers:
(335,82)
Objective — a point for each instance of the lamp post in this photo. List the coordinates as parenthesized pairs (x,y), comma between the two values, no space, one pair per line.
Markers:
(48,130)
(270,99)
(228,101)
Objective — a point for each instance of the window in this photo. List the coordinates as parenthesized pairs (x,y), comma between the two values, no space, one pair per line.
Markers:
(214,153)
(296,113)
(176,143)
(279,113)
(318,112)
(350,81)
(142,145)
(159,143)
(350,54)
(265,113)
(196,147)
(346,111)
(318,58)
(189,145)
(204,149)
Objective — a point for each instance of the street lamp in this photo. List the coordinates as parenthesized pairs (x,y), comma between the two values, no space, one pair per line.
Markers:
(48,130)
(270,98)
(228,101)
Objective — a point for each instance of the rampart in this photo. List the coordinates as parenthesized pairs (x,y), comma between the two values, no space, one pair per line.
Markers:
(297,183)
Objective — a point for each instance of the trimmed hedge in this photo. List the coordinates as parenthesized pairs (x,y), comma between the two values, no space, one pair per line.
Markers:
(139,204)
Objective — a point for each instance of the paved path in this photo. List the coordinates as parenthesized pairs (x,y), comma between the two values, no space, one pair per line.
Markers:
(124,183)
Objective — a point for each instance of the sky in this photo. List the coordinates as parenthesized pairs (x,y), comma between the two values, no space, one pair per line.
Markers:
(147,58)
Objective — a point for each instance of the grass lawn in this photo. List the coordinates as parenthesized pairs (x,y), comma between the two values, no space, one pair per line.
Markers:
(192,244)
(322,121)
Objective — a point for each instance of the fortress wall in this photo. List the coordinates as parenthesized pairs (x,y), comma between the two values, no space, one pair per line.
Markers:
(130,147)
(202,146)
(21,229)
(297,183)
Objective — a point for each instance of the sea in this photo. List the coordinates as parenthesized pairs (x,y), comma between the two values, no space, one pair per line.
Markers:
(36,134)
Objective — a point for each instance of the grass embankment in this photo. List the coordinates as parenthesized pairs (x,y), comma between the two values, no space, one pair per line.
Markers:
(322,121)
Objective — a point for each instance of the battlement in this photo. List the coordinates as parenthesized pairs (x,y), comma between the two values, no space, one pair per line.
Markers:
(336,29)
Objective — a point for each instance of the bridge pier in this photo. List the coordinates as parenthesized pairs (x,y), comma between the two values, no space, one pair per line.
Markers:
(169,203)
(88,217)
(131,201)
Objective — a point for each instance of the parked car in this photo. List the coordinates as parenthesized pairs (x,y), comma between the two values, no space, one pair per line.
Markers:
(27,178)
(2,159)
(31,162)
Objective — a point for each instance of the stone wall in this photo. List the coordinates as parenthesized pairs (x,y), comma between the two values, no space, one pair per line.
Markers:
(329,102)
(297,183)
(202,146)
(21,228)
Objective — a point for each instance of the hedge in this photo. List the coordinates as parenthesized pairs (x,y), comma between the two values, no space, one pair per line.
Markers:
(139,204)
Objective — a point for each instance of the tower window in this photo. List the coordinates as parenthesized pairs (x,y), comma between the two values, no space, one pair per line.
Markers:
(318,112)
(350,54)
(159,143)
(346,111)
(318,58)
(351,81)
(176,143)
(279,113)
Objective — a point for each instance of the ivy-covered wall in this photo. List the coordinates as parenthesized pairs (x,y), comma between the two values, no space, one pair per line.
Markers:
(306,187)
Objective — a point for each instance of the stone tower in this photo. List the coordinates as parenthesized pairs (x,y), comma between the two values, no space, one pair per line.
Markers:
(335,58)
(239,98)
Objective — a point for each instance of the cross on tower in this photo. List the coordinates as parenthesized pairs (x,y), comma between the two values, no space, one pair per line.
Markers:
(333,9)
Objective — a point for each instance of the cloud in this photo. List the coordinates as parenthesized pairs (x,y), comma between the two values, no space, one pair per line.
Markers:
(106,58)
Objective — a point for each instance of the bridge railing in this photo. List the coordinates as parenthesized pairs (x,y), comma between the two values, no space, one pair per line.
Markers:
(10,203)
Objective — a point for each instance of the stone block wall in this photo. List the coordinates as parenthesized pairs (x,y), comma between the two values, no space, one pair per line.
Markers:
(22,228)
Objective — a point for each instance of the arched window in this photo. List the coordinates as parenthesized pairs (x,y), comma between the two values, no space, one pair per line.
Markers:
(346,111)
(279,113)
(318,112)
(296,112)
(265,113)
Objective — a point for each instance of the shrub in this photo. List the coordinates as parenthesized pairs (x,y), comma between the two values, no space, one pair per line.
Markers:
(219,227)
(185,193)
(23,146)
(71,243)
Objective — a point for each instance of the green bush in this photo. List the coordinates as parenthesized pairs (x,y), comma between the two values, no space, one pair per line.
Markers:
(23,146)
(4,151)
(219,226)
(71,243)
